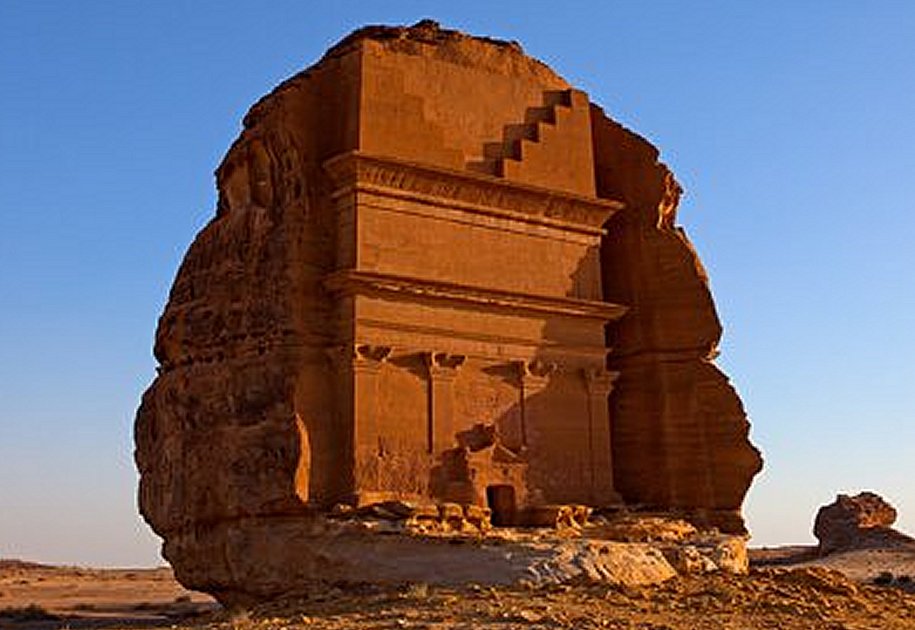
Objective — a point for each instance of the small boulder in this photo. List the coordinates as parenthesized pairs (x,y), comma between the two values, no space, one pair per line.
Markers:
(851,522)
(637,528)
(556,516)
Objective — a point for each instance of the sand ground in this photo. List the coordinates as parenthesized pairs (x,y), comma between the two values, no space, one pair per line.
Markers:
(788,590)
(861,565)
(37,596)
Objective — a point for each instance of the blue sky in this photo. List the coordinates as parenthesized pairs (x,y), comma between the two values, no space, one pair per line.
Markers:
(790,124)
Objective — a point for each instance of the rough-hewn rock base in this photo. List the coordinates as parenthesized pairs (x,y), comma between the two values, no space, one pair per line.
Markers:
(388,551)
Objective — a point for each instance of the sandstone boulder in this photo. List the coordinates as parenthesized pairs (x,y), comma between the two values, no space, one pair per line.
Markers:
(851,522)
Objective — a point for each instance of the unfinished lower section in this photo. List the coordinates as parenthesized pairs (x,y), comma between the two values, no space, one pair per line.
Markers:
(285,557)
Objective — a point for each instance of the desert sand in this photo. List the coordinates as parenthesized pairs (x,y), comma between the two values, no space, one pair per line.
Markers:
(40,596)
(786,589)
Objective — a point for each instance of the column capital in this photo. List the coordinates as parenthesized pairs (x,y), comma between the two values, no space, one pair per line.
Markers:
(599,380)
(443,364)
(535,373)
(358,356)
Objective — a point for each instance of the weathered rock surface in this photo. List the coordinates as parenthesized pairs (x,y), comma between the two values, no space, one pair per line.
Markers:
(680,430)
(386,548)
(402,300)
(855,522)
(378,552)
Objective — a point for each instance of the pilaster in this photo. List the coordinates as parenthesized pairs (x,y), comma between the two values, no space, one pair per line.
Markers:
(599,384)
(358,368)
(533,377)
(442,369)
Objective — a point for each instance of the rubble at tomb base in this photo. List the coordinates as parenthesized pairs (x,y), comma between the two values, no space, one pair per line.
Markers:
(438,275)
(399,543)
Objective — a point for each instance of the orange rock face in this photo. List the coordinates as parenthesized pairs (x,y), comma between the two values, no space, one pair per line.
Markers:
(420,245)
(679,428)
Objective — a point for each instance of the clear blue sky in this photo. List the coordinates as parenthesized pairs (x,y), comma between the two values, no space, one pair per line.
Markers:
(790,124)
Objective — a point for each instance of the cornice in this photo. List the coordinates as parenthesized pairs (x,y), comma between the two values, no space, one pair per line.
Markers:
(350,282)
(473,192)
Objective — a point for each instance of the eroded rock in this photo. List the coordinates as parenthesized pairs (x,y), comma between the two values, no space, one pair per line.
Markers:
(853,522)
(400,307)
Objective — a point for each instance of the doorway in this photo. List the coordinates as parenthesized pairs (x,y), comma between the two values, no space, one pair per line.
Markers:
(501,500)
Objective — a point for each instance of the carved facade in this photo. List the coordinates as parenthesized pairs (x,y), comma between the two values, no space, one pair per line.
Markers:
(449,324)
(422,247)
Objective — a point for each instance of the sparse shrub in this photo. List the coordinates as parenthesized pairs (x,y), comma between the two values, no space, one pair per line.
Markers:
(32,612)
(885,578)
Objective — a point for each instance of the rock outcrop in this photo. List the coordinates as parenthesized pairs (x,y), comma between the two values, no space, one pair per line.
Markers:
(680,430)
(419,245)
(394,544)
(856,522)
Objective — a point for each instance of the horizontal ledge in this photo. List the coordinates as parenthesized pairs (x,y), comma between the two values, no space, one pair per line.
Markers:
(473,192)
(522,347)
(667,355)
(351,281)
